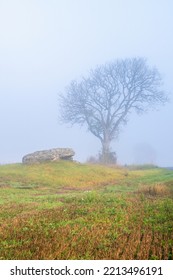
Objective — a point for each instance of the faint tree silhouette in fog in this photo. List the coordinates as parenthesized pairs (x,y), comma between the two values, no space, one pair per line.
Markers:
(104,100)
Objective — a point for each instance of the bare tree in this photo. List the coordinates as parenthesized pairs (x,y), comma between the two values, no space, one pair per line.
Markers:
(105,99)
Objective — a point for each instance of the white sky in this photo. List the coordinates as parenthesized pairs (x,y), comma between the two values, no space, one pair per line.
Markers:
(44,44)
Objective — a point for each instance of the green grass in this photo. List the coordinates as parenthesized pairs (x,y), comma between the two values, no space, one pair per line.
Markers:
(67,210)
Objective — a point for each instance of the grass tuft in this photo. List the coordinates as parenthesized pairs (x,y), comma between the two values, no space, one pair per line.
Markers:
(157,189)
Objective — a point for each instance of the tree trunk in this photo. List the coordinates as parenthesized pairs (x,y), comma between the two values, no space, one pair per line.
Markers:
(105,157)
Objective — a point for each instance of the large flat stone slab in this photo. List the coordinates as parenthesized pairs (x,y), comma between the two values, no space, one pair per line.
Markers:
(49,155)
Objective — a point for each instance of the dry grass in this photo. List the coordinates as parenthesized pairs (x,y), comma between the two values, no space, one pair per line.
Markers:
(73,211)
(158,189)
(121,228)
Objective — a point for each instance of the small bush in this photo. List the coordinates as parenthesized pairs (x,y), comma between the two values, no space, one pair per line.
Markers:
(92,159)
(108,159)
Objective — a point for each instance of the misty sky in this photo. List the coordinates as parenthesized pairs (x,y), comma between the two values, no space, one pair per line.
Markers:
(44,44)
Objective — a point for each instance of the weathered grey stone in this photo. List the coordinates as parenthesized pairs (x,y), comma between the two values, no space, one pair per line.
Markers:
(49,155)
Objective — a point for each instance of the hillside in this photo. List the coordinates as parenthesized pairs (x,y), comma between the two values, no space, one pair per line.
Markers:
(68,210)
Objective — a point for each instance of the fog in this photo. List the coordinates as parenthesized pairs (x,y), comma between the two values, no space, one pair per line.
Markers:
(46,44)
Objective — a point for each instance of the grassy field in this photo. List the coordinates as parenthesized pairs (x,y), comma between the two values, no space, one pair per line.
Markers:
(67,210)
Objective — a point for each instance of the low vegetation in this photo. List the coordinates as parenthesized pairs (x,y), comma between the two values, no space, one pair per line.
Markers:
(67,210)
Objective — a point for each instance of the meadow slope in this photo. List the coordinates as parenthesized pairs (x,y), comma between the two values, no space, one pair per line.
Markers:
(68,210)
